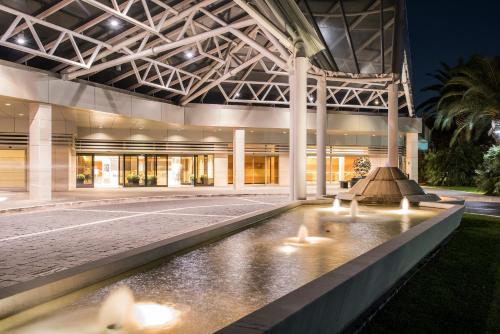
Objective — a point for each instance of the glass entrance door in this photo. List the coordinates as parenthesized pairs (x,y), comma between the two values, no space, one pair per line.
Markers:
(204,170)
(106,171)
(134,170)
(180,171)
(156,170)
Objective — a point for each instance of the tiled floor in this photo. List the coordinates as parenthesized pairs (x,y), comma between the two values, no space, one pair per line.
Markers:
(39,243)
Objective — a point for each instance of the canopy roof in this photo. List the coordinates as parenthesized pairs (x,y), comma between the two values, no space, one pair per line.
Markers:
(215,51)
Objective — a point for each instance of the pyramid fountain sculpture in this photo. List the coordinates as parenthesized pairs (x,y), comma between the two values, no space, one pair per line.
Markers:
(387,185)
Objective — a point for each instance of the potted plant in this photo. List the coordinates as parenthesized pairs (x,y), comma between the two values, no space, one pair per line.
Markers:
(133,179)
(362,166)
(80,179)
(203,179)
(151,180)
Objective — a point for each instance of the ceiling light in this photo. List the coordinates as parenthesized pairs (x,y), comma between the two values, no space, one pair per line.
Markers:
(20,114)
(345,134)
(251,131)
(284,132)
(20,39)
(7,104)
(377,102)
(189,54)
(219,129)
(114,23)
(237,95)
(373,135)
(100,126)
(141,128)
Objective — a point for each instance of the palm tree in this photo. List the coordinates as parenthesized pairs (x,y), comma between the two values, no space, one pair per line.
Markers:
(470,100)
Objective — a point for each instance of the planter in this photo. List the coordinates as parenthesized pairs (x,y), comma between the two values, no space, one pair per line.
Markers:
(344,184)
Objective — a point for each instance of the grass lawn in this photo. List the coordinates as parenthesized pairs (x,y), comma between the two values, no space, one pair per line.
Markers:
(458,291)
(460,188)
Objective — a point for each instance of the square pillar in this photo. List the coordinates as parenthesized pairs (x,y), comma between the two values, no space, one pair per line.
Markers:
(321,138)
(392,126)
(341,169)
(412,155)
(40,152)
(238,159)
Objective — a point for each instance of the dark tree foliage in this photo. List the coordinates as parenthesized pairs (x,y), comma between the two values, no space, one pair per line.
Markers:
(453,166)
(488,179)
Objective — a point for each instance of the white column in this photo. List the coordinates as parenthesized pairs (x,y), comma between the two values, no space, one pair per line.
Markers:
(412,155)
(321,121)
(40,152)
(291,141)
(341,169)
(392,126)
(298,127)
(238,159)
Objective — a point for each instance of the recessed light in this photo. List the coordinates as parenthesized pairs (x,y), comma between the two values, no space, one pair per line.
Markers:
(21,114)
(373,135)
(114,23)
(284,132)
(20,39)
(141,128)
(377,102)
(219,129)
(7,104)
(311,99)
(345,134)
(251,131)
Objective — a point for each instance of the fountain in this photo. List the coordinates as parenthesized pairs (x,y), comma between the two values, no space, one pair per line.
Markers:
(387,185)
(303,234)
(115,309)
(354,208)
(405,205)
(120,312)
(336,205)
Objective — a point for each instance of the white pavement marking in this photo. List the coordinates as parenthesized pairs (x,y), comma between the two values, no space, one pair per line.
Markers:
(71,227)
(252,200)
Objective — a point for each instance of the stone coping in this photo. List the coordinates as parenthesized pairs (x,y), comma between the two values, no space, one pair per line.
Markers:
(332,302)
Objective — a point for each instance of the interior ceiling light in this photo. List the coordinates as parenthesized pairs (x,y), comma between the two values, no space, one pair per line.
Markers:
(21,114)
(20,39)
(114,23)
(7,104)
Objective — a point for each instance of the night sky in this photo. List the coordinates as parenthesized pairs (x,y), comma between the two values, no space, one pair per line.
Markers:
(445,30)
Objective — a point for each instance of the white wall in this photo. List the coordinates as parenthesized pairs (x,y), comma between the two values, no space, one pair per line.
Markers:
(220,170)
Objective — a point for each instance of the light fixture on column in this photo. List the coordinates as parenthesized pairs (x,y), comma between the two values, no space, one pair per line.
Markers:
(20,39)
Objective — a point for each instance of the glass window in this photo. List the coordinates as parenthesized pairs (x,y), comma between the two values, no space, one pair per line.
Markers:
(230,169)
(248,169)
(161,170)
(259,170)
(272,170)
(135,170)
(349,168)
(204,170)
(13,169)
(311,169)
(84,170)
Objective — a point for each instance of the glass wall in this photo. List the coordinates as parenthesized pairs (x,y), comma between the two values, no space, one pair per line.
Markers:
(259,169)
(106,170)
(13,169)
(180,170)
(134,170)
(156,170)
(332,168)
(204,170)
(84,170)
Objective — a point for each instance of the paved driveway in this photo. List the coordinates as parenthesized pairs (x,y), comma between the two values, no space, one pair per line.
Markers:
(39,243)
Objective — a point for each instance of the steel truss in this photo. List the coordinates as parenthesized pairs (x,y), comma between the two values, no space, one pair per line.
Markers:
(231,39)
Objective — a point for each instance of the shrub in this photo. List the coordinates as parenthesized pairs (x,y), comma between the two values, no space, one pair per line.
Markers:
(80,178)
(454,166)
(362,166)
(488,179)
(133,178)
(152,180)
